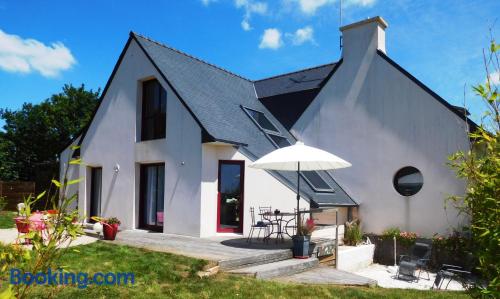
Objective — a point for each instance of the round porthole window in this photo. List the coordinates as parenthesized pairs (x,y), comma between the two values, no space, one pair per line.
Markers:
(408,181)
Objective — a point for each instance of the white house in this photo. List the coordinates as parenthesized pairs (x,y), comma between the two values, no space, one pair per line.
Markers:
(169,145)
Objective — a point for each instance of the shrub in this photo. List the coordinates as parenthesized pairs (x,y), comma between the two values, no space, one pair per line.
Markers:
(113,220)
(390,233)
(353,234)
(480,168)
(405,238)
(3,203)
(48,247)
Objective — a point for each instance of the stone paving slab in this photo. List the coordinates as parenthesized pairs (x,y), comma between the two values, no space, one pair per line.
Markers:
(328,275)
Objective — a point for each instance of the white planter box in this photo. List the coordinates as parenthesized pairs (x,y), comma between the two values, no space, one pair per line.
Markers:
(353,258)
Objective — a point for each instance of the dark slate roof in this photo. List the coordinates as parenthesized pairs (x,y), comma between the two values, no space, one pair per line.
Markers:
(215,97)
(306,79)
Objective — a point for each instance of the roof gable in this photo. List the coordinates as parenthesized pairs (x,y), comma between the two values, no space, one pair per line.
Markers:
(217,97)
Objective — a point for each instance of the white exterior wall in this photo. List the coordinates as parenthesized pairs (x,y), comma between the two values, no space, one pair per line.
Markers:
(111,140)
(72,173)
(375,117)
(260,189)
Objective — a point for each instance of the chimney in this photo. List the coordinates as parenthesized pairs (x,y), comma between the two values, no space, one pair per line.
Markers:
(363,37)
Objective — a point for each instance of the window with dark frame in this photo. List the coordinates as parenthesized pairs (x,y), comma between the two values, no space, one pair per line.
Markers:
(154,106)
(313,178)
(279,141)
(408,181)
(261,120)
(316,181)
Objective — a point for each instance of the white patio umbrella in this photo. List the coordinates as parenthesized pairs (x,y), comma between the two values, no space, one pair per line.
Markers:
(299,157)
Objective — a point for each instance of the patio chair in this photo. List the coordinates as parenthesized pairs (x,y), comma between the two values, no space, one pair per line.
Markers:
(420,255)
(266,219)
(406,271)
(452,272)
(260,225)
(458,273)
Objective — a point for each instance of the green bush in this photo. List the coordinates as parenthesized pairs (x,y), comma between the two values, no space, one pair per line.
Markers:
(480,168)
(353,234)
(404,238)
(3,203)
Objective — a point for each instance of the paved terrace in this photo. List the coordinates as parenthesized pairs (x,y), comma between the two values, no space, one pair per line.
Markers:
(213,249)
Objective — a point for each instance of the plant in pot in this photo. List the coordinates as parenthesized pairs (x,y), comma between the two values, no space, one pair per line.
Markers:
(353,235)
(302,239)
(109,226)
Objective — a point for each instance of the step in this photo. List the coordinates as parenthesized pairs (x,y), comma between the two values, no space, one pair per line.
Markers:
(91,232)
(276,269)
(255,260)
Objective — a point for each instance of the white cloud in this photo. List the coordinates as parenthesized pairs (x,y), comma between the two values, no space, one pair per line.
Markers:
(271,39)
(29,55)
(302,35)
(250,7)
(359,2)
(246,25)
(309,7)
(207,2)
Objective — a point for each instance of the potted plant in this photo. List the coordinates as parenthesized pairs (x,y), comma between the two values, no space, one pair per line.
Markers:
(353,236)
(110,227)
(302,238)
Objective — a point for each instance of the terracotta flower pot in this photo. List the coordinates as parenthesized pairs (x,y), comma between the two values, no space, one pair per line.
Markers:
(109,231)
(22,224)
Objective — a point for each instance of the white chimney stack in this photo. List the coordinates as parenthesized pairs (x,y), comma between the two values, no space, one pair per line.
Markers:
(363,37)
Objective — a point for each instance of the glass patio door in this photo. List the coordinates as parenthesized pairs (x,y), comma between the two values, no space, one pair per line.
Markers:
(230,196)
(152,196)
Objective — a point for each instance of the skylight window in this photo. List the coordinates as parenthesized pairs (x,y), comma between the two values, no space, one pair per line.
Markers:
(313,178)
(279,141)
(261,120)
(316,181)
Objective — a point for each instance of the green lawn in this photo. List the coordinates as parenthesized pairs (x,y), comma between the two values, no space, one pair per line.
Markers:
(7,219)
(160,275)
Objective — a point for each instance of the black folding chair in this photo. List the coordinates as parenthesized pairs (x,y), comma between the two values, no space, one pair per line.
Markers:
(420,255)
(453,272)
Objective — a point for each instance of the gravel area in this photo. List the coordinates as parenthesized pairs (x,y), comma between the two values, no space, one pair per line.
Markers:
(386,278)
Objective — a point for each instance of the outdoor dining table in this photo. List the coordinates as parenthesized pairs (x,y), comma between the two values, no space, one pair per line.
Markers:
(277,219)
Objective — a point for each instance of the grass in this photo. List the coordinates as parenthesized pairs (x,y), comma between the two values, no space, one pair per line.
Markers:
(163,275)
(7,219)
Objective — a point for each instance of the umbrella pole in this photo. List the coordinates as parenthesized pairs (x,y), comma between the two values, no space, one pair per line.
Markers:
(299,224)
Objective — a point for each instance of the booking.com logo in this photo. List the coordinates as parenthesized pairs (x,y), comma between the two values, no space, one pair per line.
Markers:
(60,277)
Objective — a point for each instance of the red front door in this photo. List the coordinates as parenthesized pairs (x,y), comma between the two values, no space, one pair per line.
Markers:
(230,196)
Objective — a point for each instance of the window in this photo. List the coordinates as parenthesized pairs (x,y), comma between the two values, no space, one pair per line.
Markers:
(313,178)
(316,181)
(261,120)
(152,196)
(408,181)
(154,102)
(279,141)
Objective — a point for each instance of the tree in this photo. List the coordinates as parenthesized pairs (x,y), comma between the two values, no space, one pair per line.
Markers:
(35,134)
(480,167)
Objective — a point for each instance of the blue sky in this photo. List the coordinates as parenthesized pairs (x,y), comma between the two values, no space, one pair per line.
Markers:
(439,42)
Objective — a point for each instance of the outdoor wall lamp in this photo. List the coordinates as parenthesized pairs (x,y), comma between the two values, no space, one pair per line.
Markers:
(117,168)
